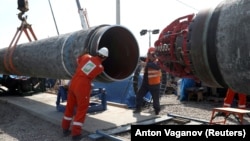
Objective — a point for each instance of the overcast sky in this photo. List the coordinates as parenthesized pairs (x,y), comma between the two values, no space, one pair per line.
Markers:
(135,15)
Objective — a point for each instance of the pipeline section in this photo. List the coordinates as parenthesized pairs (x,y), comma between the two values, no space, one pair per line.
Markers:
(55,57)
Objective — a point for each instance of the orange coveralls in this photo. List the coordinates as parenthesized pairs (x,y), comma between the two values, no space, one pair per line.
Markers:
(79,92)
(230,96)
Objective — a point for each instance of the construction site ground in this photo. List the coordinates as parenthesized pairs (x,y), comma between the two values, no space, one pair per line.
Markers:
(39,120)
(43,105)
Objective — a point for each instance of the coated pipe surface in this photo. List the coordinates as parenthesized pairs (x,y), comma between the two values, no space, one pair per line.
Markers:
(220,37)
(55,57)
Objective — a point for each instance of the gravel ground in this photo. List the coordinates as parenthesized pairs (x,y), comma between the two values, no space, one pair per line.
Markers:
(201,110)
(19,125)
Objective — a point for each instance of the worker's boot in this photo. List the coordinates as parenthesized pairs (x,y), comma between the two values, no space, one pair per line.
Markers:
(66,132)
(77,137)
(137,110)
(157,112)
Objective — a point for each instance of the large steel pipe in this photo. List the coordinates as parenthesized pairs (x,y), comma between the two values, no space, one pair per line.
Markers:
(55,57)
(220,38)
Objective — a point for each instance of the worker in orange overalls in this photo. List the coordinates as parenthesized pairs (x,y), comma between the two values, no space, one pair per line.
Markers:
(150,83)
(230,96)
(79,92)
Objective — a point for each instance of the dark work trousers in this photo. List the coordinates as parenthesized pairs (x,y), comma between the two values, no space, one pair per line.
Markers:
(155,92)
(61,95)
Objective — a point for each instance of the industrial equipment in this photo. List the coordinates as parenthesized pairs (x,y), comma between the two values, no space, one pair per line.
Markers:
(98,101)
(212,46)
(24,27)
(23,6)
(83,15)
(20,84)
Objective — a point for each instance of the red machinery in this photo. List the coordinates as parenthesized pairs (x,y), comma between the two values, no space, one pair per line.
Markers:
(212,46)
(172,48)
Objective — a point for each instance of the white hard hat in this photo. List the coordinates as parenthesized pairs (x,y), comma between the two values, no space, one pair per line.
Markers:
(103,51)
